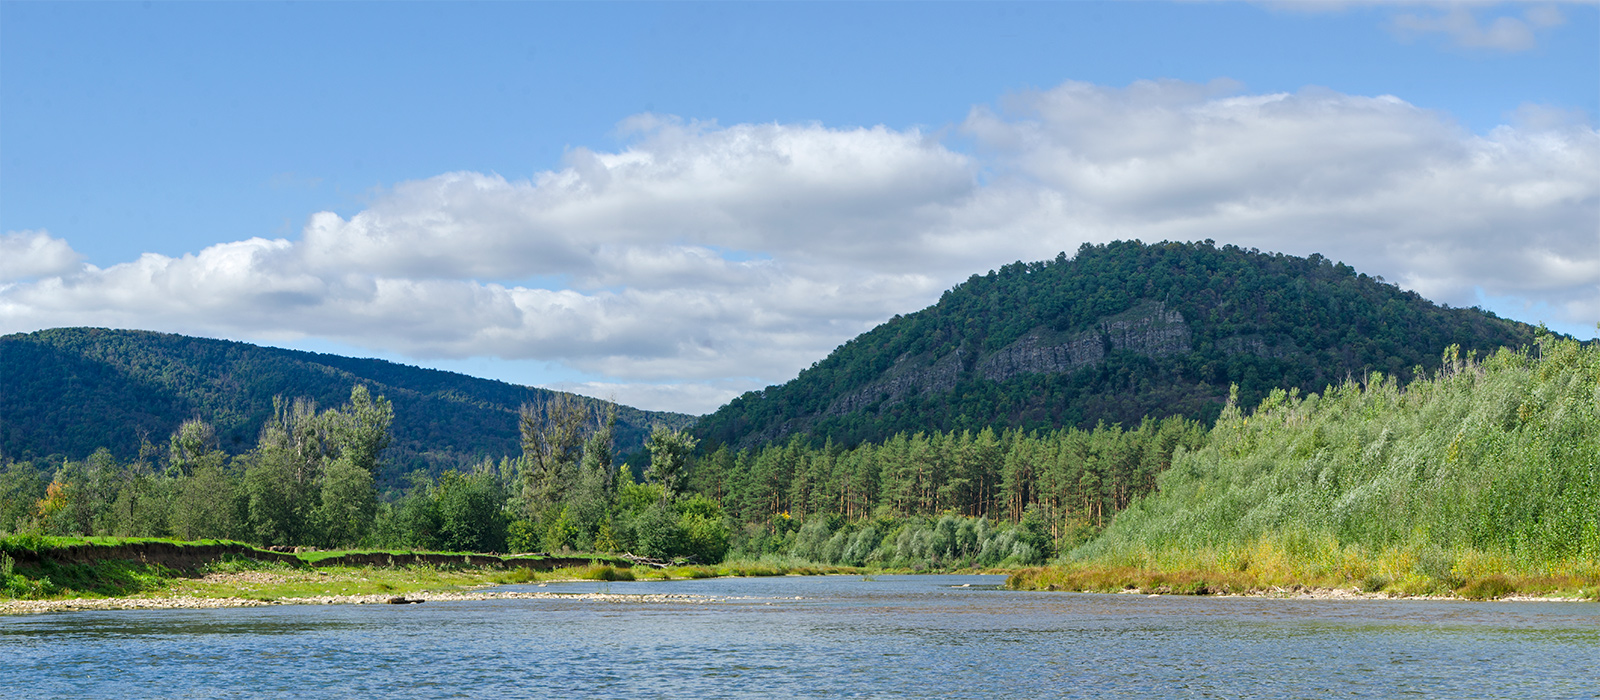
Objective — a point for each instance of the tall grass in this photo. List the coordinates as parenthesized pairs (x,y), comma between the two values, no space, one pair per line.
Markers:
(1484,469)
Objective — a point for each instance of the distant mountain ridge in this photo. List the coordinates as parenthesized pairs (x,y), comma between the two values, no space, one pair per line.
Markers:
(1116,333)
(69,391)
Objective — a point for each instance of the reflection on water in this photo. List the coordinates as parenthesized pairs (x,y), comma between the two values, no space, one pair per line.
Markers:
(896,636)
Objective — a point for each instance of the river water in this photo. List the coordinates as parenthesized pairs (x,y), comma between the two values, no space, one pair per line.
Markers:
(835,636)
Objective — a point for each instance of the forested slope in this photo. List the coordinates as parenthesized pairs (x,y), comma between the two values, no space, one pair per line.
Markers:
(1116,333)
(69,391)
(1485,467)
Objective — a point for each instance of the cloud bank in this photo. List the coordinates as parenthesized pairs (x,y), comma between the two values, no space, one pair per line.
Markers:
(703,260)
(1465,29)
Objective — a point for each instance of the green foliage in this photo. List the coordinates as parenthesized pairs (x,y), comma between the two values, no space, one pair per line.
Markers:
(658,533)
(278,496)
(1258,320)
(669,458)
(308,481)
(705,534)
(66,392)
(418,522)
(914,543)
(1074,479)
(561,533)
(471,512)
(605,572)
(523,536)
(348,503)
(208,505)
(1483,466)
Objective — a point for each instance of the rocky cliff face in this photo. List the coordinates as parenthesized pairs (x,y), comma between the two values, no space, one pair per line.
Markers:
(908,375)
(1148,329)
(1035,352)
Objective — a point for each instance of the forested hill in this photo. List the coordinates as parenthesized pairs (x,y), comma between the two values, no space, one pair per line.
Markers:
(69,391)
(1115,333)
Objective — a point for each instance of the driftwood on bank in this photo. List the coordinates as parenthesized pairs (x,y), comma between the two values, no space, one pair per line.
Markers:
(660,563)
(646,561)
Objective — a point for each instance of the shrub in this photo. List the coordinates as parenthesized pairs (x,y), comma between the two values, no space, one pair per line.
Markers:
(1488,588)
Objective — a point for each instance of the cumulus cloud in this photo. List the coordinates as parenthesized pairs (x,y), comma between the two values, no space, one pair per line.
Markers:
(1465,28)
(781,189)
(1392,188)
(26,255)
(702,260)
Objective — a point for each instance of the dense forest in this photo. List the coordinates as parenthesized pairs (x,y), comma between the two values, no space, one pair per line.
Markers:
(1116,333)
(914,500)
(66,392)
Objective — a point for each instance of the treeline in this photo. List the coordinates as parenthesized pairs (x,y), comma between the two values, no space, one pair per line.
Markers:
(980,498)
(1077,478)
(1487,466)
(308,481)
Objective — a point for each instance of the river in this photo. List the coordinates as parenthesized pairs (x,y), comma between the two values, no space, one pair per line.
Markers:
(835,636)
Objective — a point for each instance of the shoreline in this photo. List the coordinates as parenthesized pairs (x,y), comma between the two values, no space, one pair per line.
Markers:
(191,602)
(31,607)
(1357,594)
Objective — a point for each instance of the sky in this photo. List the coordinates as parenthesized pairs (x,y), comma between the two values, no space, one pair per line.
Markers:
(669,204)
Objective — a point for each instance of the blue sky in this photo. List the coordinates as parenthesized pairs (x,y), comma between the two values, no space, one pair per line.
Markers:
(494,144)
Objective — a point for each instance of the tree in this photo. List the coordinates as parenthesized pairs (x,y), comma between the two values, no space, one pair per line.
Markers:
(192,445)
(21,486)
(277,499)
(206,506)
(359,430)
(348,503)
(552,442)
(669,459)
(418,522)
(591,496)
(470,512)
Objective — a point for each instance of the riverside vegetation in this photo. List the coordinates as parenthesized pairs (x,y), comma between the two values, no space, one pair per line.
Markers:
(1463,475)
(252,577)
(1480,480)
(912,503)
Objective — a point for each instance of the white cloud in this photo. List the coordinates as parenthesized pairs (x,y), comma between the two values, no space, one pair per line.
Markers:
(26,255)
(774,188)
(703,260)
(1394,189)
(1462,24)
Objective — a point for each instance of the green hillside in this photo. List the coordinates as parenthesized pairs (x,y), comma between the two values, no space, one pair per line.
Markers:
(1485,469)
(1116,333)
(67,391)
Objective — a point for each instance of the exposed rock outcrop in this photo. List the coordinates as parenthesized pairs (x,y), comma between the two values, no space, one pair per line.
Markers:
(1148,329)
(1037,352)
(908,375)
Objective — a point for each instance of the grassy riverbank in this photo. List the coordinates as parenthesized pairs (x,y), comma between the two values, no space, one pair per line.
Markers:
(1480,481)
(1324,569)
(43,568)
(40,569)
